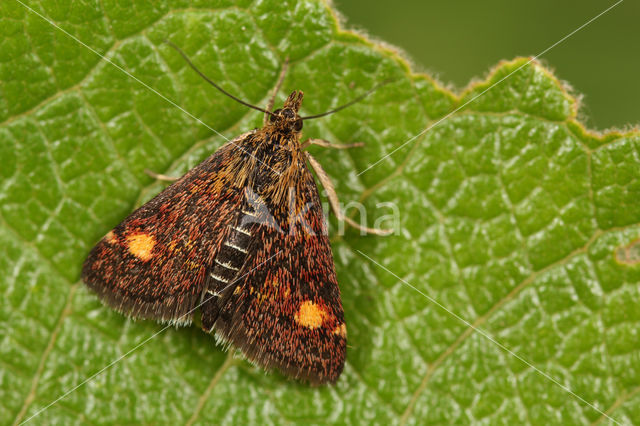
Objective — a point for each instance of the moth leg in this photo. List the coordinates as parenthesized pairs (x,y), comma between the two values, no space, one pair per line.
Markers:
(161,177)
(326,144)
(272,100)
(334,202)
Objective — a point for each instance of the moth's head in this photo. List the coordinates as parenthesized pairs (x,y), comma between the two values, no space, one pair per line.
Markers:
(287,117)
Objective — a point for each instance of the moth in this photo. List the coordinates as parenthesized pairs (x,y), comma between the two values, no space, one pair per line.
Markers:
(241,241)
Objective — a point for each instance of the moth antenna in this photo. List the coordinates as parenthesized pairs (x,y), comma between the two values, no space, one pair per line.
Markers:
(208,80)
(348,104)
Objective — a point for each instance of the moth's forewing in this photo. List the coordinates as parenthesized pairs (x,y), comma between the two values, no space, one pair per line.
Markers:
(154,264)
(285,311)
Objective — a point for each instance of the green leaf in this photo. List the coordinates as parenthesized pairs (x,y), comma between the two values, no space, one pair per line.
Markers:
(512,216)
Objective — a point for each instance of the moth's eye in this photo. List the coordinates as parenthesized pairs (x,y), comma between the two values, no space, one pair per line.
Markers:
(298,125)
(274,114)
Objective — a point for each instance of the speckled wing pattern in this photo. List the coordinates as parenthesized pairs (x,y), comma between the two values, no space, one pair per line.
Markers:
(154,264)
(242,236)
(287,314)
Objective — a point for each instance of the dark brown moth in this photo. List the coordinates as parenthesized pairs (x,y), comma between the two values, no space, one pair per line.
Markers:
(242,237)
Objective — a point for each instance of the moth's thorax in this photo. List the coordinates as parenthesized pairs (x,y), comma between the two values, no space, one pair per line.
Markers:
(278,139)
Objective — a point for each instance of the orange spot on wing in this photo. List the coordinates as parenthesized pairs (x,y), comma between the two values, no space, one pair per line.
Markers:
(110,237)
(141,245)
(341,330)
(310,315)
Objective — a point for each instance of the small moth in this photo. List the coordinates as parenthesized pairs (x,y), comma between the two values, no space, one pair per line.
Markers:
(240,240)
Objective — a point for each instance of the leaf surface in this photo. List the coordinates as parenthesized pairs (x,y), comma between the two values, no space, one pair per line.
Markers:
(512,216)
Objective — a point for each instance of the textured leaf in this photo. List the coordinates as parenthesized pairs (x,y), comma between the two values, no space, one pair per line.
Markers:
(512,216)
